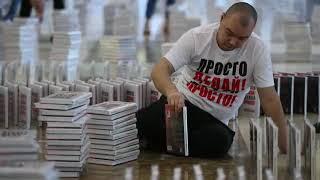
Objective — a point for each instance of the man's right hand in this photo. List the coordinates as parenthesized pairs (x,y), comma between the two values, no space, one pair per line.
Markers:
(175,99)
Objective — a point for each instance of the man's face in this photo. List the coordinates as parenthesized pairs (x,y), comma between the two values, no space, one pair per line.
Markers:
(232,34)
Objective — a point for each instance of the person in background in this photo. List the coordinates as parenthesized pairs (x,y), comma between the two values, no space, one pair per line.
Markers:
(151,5)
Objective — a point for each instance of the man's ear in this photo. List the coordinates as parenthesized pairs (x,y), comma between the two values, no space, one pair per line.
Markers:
(222,16)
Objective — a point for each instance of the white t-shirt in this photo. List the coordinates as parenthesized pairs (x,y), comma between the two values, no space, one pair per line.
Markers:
(216,80)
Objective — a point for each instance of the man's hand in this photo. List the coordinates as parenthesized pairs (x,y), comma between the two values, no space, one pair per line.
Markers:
(271,104)
(176,99)
(39,7)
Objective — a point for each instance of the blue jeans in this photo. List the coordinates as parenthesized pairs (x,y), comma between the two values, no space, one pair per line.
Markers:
(12,11)
(152,5)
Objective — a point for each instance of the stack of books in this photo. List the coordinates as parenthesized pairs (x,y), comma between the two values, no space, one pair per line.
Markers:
(115,48)
(113,133)
(66,48)
(18,146)
(67,143)
(28,170)
(20,40)
(180,24)
(119,20)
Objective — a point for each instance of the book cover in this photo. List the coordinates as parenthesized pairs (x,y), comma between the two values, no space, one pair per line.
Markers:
(60,106)
(153,94)
(176,131)
(272,146)
(71,112)
(62,118)
(132,93)
(36,94)
(294,148)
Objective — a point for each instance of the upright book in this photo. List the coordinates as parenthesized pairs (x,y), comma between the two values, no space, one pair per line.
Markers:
(176,131)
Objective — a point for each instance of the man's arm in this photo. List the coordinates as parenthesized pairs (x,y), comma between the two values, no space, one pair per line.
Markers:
(271,105)
(161,78)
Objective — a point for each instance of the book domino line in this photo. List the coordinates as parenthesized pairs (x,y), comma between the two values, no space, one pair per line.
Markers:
(24,120)
(4,107)
(144,90)
(45,88)
(98,90)
(110,108)
(92,89)
(176,131)
(66,98)
(132,93)
(116,91)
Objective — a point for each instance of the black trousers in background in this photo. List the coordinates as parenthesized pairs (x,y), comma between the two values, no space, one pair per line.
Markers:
(26,8)
(208,137)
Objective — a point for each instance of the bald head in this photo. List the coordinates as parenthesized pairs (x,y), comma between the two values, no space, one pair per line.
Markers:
(244,11)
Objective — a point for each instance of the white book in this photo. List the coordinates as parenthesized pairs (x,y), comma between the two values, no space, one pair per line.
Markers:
(67,169)
(81,88)
(81,142)
(67,151)
(116,91)
(24,121)
(132,93)
(113,137)
(144,90)
(115,147)
(294,148)
(110,108)
(27,169)
(111,123)
(54,89)
(107,92)
(65,87)
(64,148)
(67,98)
(272,146)
(63,174)
(115,152)
(12,150)
(111,133)
(76,124)
(113,117)
(71,112)
(45,88)
(62,118)
(309,149)
(74,164)
(92,89)
(112,162)
(70,84)
(153,94)
(98,90)
(13,103)
(112,128)
(256,147)
(36,94)
(60,106)
(4,107)
(20,157)
(98,140)
(67,157)
(116,157)
(74,131)
(64,136)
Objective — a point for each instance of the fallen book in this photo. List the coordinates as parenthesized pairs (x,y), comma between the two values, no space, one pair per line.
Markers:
(112,162)
(71,112)
(110,108)
(114,116)
(66,98)
(60,106)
